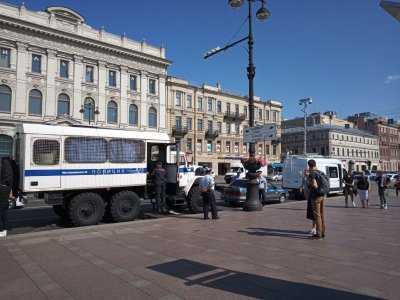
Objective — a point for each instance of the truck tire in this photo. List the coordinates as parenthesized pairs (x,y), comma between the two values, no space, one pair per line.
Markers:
(194,200)
(124,206)
(6,170)
(86,209)
(282,198)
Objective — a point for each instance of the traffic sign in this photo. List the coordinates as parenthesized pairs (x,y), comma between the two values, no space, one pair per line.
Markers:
(259,133)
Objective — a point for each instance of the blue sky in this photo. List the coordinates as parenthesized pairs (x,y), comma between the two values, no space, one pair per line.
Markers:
(342,53)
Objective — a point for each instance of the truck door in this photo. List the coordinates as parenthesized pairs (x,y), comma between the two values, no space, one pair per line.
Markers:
(42,169)
(334,180)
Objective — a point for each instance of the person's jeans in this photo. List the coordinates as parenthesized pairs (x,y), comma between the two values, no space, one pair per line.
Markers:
(348,191)
(209,202)
(382,195)
(261,194)
(318,205)
(160,198)
(3,216)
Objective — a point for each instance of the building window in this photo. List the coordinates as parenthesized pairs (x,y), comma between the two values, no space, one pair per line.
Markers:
(266,149)
(267,115)
(228,128)
(209,125)
(63,105)
(112,78)
(89,74)
(64,68)
(219,105)
(237,127)
(273,150)
(89,108)
(236,149)
(260,114)
(189,145)
(228,108)
(189,123)
(6,143)
(112,112)
(200,103)
(178,98)
(236,109)
(152,86)
(5,98)
(5,57)
(189,101)
(36,63)
(133,82)
(199,125)
(218,146)
(209,146)
(245,111)
(228,147)
(274,116)
(152,117)
(210,104)
(199,145)
(35,102)
(219,127)
(178,122)
(133,115)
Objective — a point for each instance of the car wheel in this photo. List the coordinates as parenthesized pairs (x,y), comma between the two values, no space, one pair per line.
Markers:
(282,198)
(276,179)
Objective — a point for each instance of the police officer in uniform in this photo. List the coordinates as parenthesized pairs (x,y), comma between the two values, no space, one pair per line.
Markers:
(159,178)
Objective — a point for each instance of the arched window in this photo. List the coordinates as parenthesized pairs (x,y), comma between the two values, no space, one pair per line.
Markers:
(88,109)
(35,102)
(112,112)
(63,105)
(5,98)
(5,145)
(133,115)
(152,117)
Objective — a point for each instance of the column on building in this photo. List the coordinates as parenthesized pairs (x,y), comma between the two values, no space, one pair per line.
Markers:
(20,92)
(144,107)
(102,77)
(163,103)
(77,100)
(50,103)
(124,80)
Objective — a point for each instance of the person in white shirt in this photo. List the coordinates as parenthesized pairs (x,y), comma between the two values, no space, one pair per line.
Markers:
(262,187)
(207,184)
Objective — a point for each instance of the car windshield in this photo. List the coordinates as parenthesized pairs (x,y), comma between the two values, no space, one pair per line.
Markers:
(239,183)
(235,169)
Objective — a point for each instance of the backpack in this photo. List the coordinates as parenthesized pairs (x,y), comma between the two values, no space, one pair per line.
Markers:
(323,183)
(363,183)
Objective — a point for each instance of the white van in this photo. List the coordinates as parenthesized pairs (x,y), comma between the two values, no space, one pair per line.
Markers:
(235,167)
(294,168)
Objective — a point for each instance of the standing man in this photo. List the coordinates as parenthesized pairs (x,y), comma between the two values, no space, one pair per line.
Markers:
(206,186)
(317,199)
(382,181)
(159,178)
(349,188)
(262,187)
(5,193)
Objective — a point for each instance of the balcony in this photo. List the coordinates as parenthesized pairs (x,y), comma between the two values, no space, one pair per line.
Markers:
(212,134)
(234,117)
(179,132)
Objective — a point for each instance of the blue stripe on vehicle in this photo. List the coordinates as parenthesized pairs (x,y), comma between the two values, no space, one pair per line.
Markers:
(80,172)
(185,170)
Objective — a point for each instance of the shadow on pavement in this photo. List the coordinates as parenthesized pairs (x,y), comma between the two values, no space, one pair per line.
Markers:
(246,284)
(276,232)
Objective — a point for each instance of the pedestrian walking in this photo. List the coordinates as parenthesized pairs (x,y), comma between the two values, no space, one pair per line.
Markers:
(397,185)
(363,187)
(382,181)
(318,189)
(5,193)
(262,187)
(305,190)
(159,178)
(349,188)
(207,184)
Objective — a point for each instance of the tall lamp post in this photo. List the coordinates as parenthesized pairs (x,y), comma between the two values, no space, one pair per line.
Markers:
(90,109)
(252,199)
(305,102)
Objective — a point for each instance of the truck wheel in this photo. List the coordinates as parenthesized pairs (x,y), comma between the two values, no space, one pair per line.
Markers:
(60,211)
(124,206)
(86,209)
(194,200)
(6,170)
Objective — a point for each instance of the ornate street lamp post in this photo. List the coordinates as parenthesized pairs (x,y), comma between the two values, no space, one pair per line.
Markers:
(252,200)
(88,108)
(305,102)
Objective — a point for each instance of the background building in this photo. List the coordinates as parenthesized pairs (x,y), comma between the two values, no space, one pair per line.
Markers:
(54,68)
(388,133)
(209,122)
(357,149)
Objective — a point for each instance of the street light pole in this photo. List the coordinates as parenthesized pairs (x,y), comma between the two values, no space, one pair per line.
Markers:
(89,108)
(305,102)
(252,199)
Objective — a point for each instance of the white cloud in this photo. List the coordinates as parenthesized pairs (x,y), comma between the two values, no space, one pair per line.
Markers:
(392,78)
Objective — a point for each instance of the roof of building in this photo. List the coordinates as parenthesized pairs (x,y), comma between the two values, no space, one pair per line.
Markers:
(325,127)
